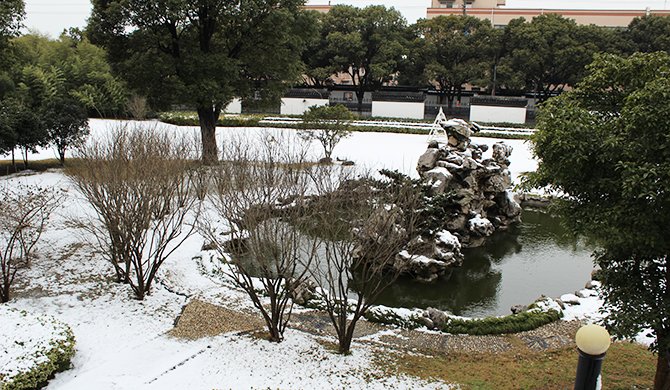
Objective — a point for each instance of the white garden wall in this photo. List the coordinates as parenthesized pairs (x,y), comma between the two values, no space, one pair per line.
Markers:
(497,114)
(235,107)
(413,110)
(298,106)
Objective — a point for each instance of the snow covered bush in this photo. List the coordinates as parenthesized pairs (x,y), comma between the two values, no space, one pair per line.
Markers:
(32,349)
(138,182)
(539,313)
(24,212)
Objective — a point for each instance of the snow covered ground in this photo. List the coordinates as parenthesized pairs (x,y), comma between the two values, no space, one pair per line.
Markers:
(373,151)
(122,343)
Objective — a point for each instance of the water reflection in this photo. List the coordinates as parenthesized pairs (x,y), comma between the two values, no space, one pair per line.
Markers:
(514,267)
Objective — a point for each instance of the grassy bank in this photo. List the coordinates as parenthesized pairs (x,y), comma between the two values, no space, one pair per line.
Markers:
(627,366)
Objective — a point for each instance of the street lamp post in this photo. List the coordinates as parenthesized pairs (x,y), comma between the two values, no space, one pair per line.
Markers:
(592,343)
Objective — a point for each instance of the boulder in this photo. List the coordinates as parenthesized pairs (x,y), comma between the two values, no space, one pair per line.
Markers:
(437,317)
(481,227)
(516,309)
(428,159)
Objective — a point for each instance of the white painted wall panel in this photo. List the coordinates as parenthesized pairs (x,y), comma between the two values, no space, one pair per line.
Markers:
(398,110)
(298,106)
(235,107)
(495,114)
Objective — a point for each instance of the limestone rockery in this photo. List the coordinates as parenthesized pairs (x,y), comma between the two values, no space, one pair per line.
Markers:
(474,197)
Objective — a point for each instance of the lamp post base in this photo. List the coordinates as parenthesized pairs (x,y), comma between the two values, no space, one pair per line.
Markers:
(588,371)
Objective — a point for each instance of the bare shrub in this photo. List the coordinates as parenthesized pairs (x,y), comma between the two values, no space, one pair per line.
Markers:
(362,227)
(24,212)
(138,182)
(259,190)
(137,106)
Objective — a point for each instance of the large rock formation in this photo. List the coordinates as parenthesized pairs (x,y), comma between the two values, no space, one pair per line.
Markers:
(474,199)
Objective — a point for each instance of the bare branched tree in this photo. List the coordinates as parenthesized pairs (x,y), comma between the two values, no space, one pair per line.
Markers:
(258,193)
(24,212)
(362,227)
(139,183)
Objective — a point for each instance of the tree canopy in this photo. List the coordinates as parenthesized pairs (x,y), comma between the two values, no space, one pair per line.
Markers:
(545,54)
(203,53)
(367,44)
(649,33)
(451,51)
(607,145)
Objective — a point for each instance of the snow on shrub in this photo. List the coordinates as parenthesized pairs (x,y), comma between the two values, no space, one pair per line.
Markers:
(32,348)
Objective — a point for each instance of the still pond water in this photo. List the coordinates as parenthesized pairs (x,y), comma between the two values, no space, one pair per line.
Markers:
(514,267)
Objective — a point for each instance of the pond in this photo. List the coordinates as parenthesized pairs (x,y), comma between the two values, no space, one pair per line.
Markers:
(514,267)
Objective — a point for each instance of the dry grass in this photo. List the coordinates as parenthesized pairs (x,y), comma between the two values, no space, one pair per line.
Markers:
(627,366)
(6,167)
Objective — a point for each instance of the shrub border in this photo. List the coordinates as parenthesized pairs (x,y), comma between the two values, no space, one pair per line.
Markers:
(59,356)
(541,312)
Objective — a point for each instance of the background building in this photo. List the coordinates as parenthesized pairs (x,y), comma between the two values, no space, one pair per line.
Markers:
(499,15)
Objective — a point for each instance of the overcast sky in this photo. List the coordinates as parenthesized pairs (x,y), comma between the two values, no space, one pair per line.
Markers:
(53,16)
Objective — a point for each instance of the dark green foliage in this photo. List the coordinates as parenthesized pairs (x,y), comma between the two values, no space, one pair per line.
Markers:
(514,323)
(649,33)
(327,125)
(367,44)
(203,52)
(527,320)
(546,54)
(607,145)
(451,51)
(66,122)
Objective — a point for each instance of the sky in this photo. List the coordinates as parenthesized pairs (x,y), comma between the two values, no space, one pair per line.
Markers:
(51,17)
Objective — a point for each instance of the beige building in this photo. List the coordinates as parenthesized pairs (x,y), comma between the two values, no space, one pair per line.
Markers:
(499,15)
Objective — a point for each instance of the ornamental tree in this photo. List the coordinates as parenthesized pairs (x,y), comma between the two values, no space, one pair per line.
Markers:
(203,53)
(606,145)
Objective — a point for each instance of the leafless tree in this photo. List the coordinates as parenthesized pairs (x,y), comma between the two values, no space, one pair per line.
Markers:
(24,212)
(258,192)
(138,181)
(363,225)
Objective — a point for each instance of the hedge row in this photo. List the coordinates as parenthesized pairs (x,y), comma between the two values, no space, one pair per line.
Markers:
(536,316)
(255,122)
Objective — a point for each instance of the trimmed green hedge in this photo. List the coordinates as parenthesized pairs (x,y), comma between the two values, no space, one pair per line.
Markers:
(527,320)
(58,357)
(537,315)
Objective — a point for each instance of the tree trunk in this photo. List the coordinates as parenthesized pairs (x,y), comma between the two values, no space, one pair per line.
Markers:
(61,154)
(208,116)
(360,95)
(13,161)
(662,378)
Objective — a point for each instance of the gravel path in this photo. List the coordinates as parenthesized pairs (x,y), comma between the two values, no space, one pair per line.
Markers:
(201,319)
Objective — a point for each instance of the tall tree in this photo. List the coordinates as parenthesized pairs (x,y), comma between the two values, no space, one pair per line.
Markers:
(649,33)
(454,51)
(203,52)
(318,67)
(547,53)
(368,44)
(606,146)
